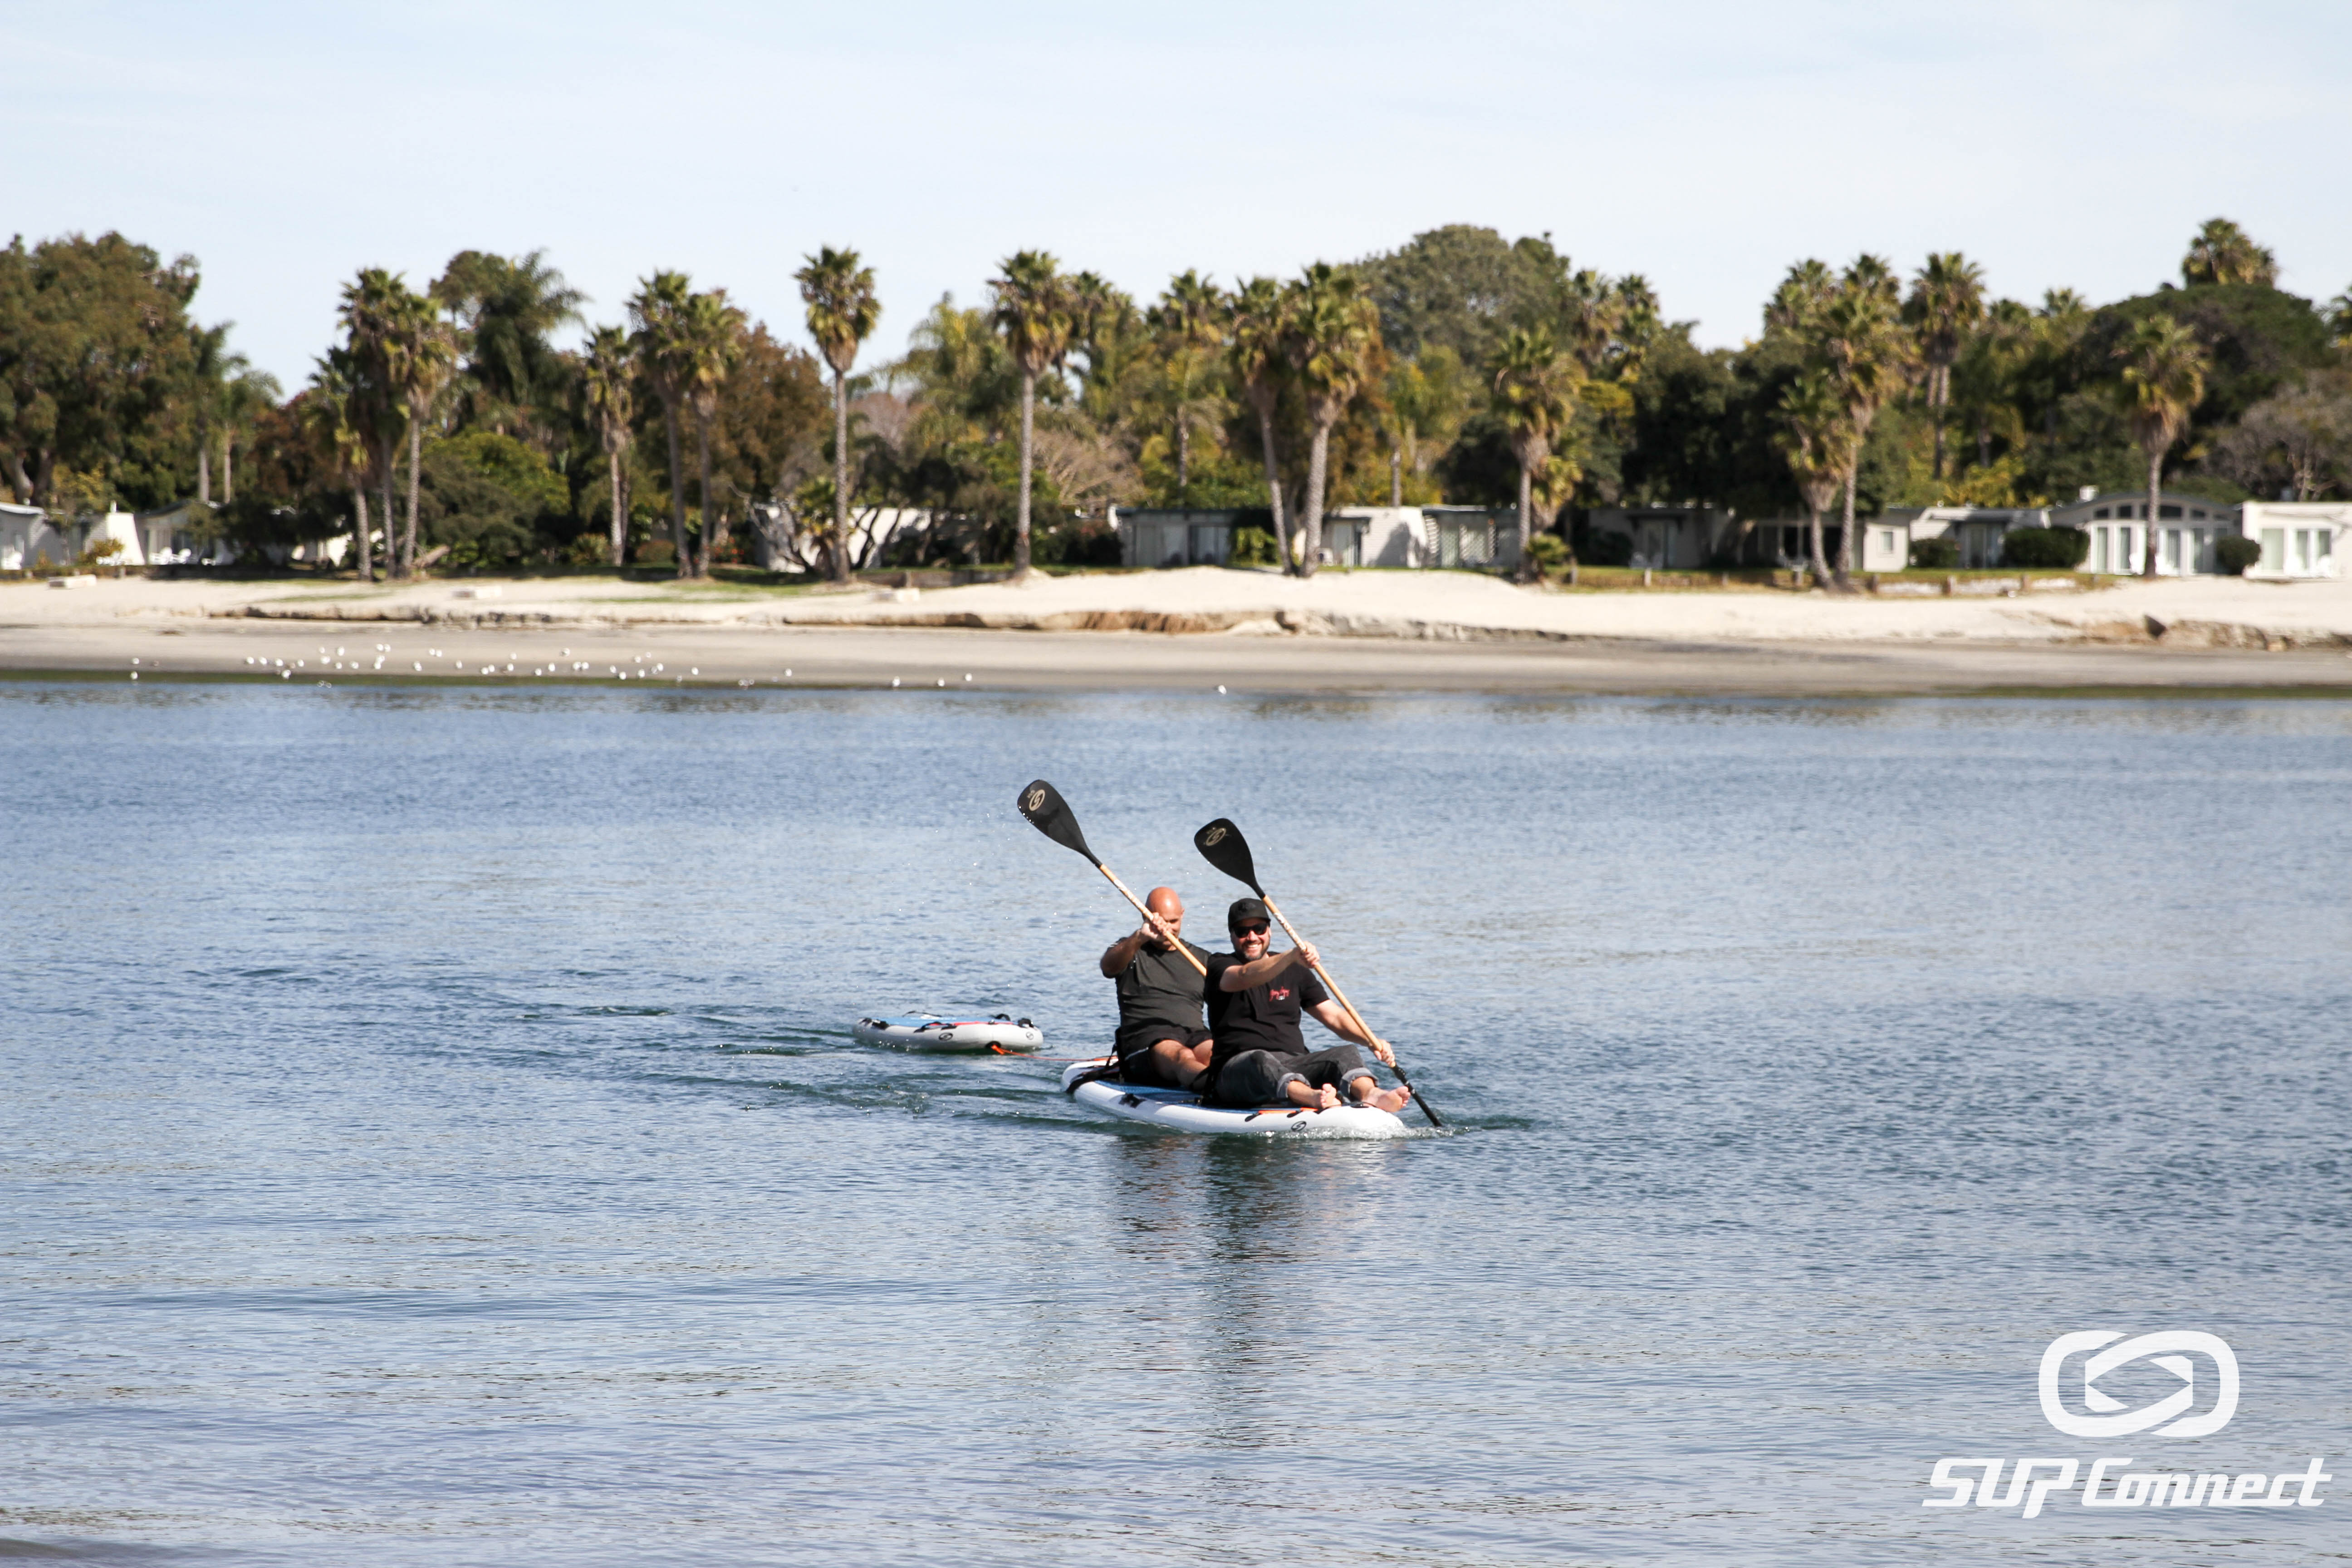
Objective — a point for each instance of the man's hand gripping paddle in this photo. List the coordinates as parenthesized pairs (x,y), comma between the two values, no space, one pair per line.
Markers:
(1222,845)
(1049,813)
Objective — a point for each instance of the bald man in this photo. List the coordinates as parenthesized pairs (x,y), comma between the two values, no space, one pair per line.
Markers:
(1161,1041)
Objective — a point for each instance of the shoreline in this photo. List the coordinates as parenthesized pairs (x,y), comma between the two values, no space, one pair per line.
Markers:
(1204,628)
(721,658)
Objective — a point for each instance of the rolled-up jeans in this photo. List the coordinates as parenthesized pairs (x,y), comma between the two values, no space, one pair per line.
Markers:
(1261,1078)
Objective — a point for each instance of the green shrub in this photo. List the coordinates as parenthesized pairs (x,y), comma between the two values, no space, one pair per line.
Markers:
(2233,554)
(1074,541)
(2048,549)
(1936,554)
(1252,547)
(1548,552)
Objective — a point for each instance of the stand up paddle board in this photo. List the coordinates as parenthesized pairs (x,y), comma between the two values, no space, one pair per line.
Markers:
(1186,1113)
(940,1032)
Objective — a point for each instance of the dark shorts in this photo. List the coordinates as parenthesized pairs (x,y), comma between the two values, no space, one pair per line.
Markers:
(1260,1078)
(1137,1065)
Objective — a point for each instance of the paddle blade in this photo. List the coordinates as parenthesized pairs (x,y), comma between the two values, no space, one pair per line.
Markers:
(1049,813)
(1223,846)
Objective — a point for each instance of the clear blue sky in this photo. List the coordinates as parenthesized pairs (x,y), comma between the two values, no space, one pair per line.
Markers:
(1706,145)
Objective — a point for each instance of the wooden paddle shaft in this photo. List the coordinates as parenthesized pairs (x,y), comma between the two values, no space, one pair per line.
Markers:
(1152,920)
(1321,974)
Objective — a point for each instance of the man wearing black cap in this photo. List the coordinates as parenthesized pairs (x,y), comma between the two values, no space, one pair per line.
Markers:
(1260,1058)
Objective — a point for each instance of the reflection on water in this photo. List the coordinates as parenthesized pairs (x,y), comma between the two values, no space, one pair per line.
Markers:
(434,1136)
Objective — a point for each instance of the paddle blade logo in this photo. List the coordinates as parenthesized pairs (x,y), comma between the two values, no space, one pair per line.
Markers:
(1213,835)
(1034,799)
(2175,1415)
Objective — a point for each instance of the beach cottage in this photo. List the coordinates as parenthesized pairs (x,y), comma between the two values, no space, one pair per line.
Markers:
(2299,539)
(2187,528)
(27,539)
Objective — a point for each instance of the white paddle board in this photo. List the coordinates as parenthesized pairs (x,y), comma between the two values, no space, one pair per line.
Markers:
(1186,1113)
(1001,1033)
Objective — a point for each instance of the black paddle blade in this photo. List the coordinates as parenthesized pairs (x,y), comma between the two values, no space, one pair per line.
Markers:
(1223,846)
(1049,813)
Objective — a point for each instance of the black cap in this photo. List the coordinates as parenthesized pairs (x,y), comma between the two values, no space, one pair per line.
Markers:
(1247,909)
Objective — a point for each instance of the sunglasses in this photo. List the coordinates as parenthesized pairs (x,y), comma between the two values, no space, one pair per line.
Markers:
(1255,928)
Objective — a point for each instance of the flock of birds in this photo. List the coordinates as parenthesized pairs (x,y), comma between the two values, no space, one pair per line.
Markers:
(641,667)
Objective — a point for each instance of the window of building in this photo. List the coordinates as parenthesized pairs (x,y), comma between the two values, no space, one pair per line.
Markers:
(2103,512)
(2167,513)
(2274,550)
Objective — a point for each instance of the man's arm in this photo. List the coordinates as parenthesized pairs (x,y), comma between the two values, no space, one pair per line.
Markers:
(1334,1017)
(1120,954)
(1249,976)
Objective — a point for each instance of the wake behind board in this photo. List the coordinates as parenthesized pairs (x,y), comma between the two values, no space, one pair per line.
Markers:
(943,1032)
(1183,1111)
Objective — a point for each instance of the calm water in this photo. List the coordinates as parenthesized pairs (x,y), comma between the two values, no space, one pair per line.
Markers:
(430,1133)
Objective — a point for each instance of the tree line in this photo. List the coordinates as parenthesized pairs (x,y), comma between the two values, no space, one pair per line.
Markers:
(445,423)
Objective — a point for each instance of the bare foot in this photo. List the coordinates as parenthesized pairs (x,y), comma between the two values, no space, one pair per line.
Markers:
(1387,1099)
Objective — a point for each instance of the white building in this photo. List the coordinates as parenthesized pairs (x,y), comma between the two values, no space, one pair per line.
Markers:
(2299,539)
(1382,536)
(27,539)
(1978,531)
(779,544)
(2187,527)
(1352,536)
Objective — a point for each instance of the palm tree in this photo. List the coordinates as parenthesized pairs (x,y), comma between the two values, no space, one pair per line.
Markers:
(1947,305)
(1261,331)
(714,335)
(842,312)
(1534,397)
(2163,378)
(1190,321)
(1032,308)
(334,416)
(2224,253)
(965,383)
(370,314)
(1802,297)
(505,310)
(210,364)
(1428,396)
(1335,344)
(1817,441)
(247,394)
(2337,314)
(660,343)
(421,354)
(1864,353)
(608,387)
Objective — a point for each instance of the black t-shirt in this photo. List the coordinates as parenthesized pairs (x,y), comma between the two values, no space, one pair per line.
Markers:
(1158,996)
(1264,1019)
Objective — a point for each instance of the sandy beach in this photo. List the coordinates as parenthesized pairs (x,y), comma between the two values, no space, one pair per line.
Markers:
(1201,627)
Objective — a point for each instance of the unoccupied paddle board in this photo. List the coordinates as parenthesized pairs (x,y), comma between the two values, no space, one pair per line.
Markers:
(942,1032)
(1185,1112)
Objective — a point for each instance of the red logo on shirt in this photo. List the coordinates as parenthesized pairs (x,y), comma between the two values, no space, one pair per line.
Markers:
(1281,995)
